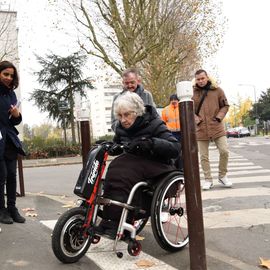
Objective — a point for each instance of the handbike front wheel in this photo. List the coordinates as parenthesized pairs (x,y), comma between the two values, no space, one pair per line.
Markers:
(169,216)
(69,243)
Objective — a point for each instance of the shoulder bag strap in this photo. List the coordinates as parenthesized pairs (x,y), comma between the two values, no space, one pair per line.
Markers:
(201,102)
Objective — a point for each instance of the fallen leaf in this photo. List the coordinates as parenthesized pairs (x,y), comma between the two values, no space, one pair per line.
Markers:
(144,263)
(67,205)
(139,238)
(265,263)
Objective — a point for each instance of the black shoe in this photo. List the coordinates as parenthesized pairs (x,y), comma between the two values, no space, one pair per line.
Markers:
(107,228)
(14,213)
(100,229)
(5,217)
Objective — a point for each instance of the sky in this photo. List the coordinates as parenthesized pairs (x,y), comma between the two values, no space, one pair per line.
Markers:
(242,62)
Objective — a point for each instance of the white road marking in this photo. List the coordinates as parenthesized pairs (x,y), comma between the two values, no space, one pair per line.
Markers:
(235,192)
(110,260)
(234,173)
(237,218)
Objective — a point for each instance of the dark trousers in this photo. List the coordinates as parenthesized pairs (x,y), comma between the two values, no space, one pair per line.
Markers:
(8,170)
(123,173)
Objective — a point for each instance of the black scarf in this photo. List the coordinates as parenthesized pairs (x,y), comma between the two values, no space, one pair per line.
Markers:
(207,87)
(137,125)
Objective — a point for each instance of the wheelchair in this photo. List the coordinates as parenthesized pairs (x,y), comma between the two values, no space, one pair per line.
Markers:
(74,231)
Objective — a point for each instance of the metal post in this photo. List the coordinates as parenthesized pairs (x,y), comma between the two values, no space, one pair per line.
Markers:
(21,180)
(86,144)
(197,251)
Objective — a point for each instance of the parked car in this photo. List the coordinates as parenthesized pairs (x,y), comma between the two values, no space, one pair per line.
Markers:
(232,132)
(237,132)
(244,132)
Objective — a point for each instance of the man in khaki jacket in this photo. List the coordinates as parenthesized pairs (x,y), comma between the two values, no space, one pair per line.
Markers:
(208,117)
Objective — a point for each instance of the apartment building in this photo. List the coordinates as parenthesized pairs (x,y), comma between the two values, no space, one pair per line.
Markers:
(97,108)
(9,43)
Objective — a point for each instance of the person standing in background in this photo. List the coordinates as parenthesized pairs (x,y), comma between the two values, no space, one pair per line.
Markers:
(170,115)
(132,82)
(10,145)
(211,106)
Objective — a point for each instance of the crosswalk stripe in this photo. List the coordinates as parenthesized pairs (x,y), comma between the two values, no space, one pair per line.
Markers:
(215,169)
(246,179)
(234,173)
(215,163)
(110,260)
(237,218)
(235,192)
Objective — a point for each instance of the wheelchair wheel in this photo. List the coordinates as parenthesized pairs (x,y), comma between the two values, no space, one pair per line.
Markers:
(168,213)
(69,243)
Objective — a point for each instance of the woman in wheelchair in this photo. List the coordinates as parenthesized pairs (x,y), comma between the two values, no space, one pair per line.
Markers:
(150,148)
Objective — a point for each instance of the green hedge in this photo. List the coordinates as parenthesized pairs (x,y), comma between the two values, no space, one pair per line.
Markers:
(48,148)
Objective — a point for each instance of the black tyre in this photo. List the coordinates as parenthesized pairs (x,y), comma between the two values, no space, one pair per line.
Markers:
(134,248)
(168,213)
(69,243)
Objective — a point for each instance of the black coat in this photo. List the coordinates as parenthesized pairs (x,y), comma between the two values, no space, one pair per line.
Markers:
(165,147)
(128,169)
(8,131)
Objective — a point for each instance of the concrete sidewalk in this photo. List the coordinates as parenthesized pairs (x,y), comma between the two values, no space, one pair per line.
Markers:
(28,163)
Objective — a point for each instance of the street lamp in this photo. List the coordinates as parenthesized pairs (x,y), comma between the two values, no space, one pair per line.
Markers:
(255,102)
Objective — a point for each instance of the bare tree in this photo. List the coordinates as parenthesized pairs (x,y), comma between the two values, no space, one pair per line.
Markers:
(166,39)
(8,36)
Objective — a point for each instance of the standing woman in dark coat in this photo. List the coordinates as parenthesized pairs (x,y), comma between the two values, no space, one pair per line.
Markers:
(10,144)
(151,149)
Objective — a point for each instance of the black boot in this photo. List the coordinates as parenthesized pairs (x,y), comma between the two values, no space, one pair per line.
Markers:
(5,217)
(14,213)
(108,228)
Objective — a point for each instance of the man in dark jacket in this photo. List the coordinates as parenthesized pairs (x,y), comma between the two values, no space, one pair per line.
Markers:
(132,82)
(213,109)
(151,148)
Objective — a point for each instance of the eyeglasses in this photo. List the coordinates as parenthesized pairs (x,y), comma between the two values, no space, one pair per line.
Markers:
(125,115)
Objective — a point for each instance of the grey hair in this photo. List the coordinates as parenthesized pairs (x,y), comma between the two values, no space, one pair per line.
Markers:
(129,101)
(130,70)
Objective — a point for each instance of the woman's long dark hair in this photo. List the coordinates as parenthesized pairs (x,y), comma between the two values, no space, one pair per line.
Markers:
(15,81)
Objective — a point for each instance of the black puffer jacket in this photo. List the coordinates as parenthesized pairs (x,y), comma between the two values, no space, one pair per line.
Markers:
(165,147)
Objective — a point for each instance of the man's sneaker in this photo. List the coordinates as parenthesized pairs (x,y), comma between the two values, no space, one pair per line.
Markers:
(5,217)
(207,185)
(15,215)
(225,181)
